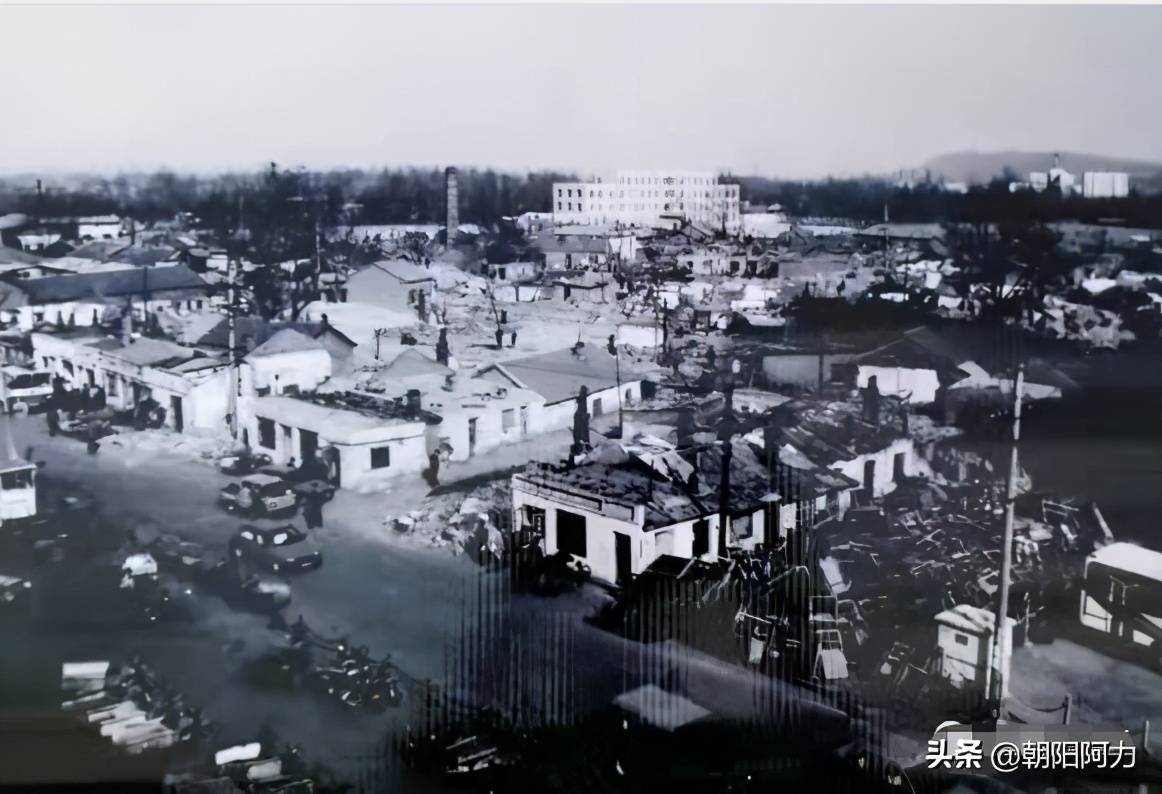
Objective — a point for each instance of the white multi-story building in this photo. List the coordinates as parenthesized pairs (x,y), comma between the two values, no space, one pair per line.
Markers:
(649,198)
(1105,184)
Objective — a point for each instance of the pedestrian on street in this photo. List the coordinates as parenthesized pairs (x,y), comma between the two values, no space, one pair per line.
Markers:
(313,511)
(53,419)
(512,341)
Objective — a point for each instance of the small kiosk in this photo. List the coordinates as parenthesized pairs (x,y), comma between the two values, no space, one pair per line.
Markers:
(17,489)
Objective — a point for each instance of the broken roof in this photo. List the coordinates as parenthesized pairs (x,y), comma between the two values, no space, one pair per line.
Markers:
(559,375)
(835,432)
(667,498)
(342,421)
(664,504)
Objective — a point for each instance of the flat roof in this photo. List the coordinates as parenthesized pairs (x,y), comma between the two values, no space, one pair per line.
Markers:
(336,424)
(1132,558)
(965,617)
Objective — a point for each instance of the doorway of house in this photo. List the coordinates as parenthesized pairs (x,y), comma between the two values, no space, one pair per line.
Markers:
(308,445)
(624,570)
(472,436)
(175,404)
(869,476)
(524,421)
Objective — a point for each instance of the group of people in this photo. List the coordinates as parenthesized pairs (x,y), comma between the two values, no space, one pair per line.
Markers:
(72,402)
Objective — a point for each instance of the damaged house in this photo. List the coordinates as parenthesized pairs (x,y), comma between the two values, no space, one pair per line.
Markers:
(626,506)
(866,440)
(949,369)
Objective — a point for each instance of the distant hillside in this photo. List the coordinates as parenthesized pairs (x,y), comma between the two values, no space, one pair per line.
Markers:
(984,166)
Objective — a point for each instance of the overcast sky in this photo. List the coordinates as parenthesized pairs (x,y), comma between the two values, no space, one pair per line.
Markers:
(781,90)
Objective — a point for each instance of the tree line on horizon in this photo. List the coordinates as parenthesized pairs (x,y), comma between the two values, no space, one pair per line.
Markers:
(416,195)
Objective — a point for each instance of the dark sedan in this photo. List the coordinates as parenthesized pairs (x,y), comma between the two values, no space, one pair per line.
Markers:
(279,549)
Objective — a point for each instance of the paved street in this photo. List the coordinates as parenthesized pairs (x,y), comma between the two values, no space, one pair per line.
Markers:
(439,616)
(401,601)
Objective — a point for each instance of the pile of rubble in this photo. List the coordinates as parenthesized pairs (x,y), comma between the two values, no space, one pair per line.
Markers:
(472,523)
(931,546)
(197,445)
(1062,319)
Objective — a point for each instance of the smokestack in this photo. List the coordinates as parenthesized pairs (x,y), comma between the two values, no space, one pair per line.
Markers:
(871,401)
(127,326)
(453,197)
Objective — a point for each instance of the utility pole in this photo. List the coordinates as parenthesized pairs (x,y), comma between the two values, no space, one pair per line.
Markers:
(1000,635)
(232,405)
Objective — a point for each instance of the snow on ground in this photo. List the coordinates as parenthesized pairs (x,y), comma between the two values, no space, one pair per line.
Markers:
(359,320)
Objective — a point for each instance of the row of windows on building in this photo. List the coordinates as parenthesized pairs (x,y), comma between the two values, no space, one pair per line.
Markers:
(656,207)
(568,193)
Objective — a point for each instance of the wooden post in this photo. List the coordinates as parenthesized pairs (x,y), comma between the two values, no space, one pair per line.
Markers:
(1000,636)
(1068,708)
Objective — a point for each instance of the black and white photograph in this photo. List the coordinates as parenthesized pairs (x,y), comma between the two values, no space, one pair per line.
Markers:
(573,398)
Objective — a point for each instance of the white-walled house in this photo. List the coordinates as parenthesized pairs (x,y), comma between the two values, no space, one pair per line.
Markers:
(393,284)
(477,415)
(612,519)
(557,377)
(252,332)
(192,388)
(365,441)
(81,299)
(876,452)
(288,361)
(511,271)
(99,227)
(620,517)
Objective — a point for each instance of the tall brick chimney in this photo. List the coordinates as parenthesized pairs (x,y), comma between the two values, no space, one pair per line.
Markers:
(452,194)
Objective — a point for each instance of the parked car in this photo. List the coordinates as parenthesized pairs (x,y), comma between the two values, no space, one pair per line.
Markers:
(176,554)
(244,462)
(244,590)
(12,588)
(279,549)
(308,478)
(258,494)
